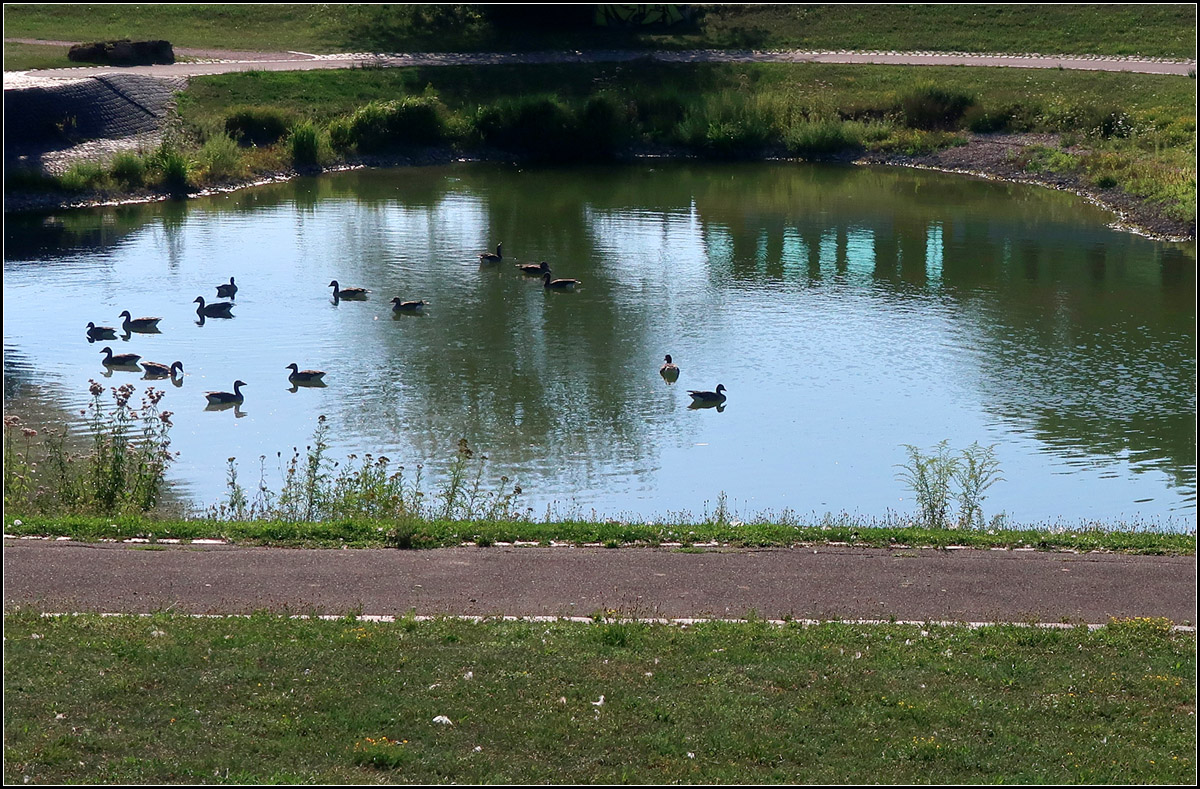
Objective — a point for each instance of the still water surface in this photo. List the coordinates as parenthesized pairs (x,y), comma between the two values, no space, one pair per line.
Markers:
(847,311)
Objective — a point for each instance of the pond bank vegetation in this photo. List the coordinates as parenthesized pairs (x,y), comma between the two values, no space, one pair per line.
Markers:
(111,484)
(1121,139)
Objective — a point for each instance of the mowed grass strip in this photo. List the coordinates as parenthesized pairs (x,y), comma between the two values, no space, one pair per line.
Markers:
(1117,537)
(267,699)
(1154,30)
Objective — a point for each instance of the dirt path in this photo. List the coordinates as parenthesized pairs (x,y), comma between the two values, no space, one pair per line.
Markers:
(828,582)
(222,61)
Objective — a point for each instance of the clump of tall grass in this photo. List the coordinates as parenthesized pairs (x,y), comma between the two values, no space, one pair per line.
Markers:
(732,123)
(316,488)
(930,475)
(258,125)
(122,471)
(219,158)
(823,137)
(306,144)
(128,169)
(83,175)
(543,126)
(915,142)
(173,167)
(382,125)
(929,107)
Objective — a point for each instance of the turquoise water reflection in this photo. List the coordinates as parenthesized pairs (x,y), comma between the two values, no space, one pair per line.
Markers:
(848,311)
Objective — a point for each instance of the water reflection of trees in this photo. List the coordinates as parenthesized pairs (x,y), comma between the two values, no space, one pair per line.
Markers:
(1085,334)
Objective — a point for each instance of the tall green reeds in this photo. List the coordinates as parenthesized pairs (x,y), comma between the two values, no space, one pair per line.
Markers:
(929,476)
(306,144)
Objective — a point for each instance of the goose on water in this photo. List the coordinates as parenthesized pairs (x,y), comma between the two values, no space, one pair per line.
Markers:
(407,306)
(304,376)
(558,284)
(669,370)
(717,396)
(488,257)
(347,293)
(227,291)
(537,269)
(218,398)
(218,309)
(119,359)
(139,324)
(157,370)
(95,332)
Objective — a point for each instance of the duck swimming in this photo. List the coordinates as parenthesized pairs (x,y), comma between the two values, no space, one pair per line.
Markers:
(304,376)
(219,398)
(218,309)
(717,396)
(120,359)
(558,284)
(669,370)
(488,257)
(536,269)
(157,370)
(139,324)
(227,291)
(95,332)
(347,293)
(407,306)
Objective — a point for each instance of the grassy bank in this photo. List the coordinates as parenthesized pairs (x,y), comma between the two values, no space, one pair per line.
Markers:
(1148,30)
(1135,133)
(265,699)
(437,533)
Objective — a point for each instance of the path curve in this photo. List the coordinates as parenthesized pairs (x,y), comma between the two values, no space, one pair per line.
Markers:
(223,62)
(819,582)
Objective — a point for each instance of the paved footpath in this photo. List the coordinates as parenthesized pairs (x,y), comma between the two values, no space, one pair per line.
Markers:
(223,62)
(826,582)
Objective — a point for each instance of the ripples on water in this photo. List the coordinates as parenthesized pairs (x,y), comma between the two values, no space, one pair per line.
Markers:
(848,311)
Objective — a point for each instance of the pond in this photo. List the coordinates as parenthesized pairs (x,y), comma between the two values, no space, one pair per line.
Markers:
(848,312)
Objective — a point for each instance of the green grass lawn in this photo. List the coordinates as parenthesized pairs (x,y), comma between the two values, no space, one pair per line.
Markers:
(267,699)
(1158,30)
(22,57)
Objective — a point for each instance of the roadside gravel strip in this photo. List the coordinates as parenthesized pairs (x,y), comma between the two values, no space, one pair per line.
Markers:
(223,62)
(804,583)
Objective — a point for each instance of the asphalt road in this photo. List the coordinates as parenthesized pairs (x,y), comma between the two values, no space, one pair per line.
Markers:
(828,582)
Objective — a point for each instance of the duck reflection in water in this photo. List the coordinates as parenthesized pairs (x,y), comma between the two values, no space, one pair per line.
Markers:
(237,408)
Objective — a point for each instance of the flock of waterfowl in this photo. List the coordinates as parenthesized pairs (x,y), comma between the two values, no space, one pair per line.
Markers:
(224,309)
